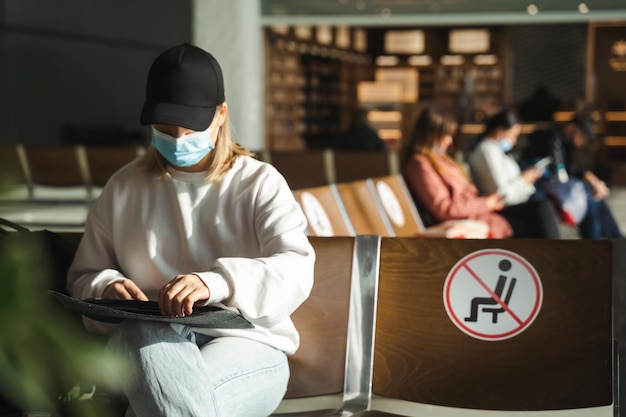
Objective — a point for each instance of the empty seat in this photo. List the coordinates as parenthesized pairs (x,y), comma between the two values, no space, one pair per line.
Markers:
(57,173)
(364,210)
(393,195)
(303,169)
(14,184)
(551,349)
(358,165)
(324,211)
(103,161)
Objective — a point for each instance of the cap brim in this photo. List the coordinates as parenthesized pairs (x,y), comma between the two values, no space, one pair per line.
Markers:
(194,118)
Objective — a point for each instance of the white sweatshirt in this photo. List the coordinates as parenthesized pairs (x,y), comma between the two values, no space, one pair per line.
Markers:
(244,236)
(495,171)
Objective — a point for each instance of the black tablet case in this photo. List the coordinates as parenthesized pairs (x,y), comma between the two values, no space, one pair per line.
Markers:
(114,311)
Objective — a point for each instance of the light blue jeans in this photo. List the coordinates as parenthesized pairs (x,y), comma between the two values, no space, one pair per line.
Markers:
(178,372)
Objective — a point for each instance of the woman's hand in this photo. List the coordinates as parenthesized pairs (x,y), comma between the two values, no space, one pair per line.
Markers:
(600,190)
(531,175)
(179,295)
(495,202)
(599,187)
(124,290)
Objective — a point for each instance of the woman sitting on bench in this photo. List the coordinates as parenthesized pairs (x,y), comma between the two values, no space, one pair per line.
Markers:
(439,184)
(195,222)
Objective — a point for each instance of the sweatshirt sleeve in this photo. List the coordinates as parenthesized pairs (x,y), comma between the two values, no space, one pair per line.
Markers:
(94,266)
(268,288)
(495,171)
(259,258)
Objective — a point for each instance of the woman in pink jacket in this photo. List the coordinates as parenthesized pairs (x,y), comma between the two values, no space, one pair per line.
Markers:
(440,185)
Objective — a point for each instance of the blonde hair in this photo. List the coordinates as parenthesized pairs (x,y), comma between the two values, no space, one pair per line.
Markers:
(223,156)
(430,127)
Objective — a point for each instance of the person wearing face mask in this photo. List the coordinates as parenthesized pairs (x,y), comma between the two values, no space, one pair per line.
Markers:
(495,171)
(570,146)
(440,185)
(197,221)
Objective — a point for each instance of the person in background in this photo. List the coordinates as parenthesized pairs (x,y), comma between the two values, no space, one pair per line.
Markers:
(197,221)
(569,146)
(439,184)
(495,171)
(360,136)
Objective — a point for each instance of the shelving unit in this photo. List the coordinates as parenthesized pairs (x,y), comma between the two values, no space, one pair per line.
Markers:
(466,77)
(607,92)
(285,97)
(311,84)
(322,98)
(475,89)
(310,90)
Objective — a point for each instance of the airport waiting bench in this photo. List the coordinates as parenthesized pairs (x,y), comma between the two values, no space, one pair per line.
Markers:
(408,326)
(430,333)
(380,206)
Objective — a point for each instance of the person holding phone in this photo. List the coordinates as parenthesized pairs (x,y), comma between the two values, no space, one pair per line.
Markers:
(494,170)
(543,163)
(570,145)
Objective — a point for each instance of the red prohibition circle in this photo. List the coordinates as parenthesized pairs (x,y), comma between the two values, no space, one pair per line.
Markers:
(523,323)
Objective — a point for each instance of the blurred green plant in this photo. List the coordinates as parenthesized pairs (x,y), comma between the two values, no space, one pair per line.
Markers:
(45,352)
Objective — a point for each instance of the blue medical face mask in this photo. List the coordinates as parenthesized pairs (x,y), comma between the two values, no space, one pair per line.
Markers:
(184,151)
(505,145)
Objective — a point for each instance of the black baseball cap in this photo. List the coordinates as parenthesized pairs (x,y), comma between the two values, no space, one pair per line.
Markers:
(185,84)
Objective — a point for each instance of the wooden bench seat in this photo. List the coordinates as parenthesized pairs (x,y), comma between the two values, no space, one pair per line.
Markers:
(561,360)
(380,336)
(331,357)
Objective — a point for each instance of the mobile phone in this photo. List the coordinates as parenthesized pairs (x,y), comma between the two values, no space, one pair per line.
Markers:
(543,162)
